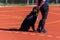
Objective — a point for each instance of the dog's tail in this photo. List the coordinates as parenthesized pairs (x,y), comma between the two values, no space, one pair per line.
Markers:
(12,29)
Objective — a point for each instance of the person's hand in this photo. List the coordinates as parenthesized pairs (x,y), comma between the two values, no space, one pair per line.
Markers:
(37,7)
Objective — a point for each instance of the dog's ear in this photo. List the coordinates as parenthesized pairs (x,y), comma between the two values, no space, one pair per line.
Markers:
(35,10)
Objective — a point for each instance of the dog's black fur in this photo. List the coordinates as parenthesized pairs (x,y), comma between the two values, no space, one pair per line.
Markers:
(29,20)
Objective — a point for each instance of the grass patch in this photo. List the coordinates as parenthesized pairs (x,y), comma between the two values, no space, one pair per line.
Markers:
(2,4)
(20,4)
(53,4)
(12,4)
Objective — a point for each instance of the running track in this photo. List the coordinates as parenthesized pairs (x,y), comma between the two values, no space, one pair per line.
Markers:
(12,17)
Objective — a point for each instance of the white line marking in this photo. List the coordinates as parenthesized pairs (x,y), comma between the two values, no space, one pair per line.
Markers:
(58,37)
(49,35)
(41,35)
(32,34)
(24,33)
(55,13)
(58,21)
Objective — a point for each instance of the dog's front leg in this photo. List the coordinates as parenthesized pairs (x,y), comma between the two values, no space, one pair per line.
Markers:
(33,28)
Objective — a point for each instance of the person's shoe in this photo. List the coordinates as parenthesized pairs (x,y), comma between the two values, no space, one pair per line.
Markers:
(38,30)
(43,30)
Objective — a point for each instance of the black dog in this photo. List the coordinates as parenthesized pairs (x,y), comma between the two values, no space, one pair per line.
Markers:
(29,20)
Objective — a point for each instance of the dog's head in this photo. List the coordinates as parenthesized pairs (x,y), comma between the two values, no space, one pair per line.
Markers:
(35,10)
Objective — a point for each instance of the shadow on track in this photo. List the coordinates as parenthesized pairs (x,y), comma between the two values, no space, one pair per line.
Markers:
(13,29)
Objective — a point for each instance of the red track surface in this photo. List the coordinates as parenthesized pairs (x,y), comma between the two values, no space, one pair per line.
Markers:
(12,17)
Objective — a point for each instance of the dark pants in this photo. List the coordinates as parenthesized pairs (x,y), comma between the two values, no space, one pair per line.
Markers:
(44,13)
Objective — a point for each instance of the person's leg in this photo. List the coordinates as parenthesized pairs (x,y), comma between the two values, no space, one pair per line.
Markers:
(44,13)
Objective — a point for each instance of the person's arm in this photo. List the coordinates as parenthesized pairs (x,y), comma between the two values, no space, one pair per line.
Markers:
(37,2)
(42,2)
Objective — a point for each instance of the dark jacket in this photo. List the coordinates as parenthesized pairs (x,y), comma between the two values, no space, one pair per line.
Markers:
(46,4)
